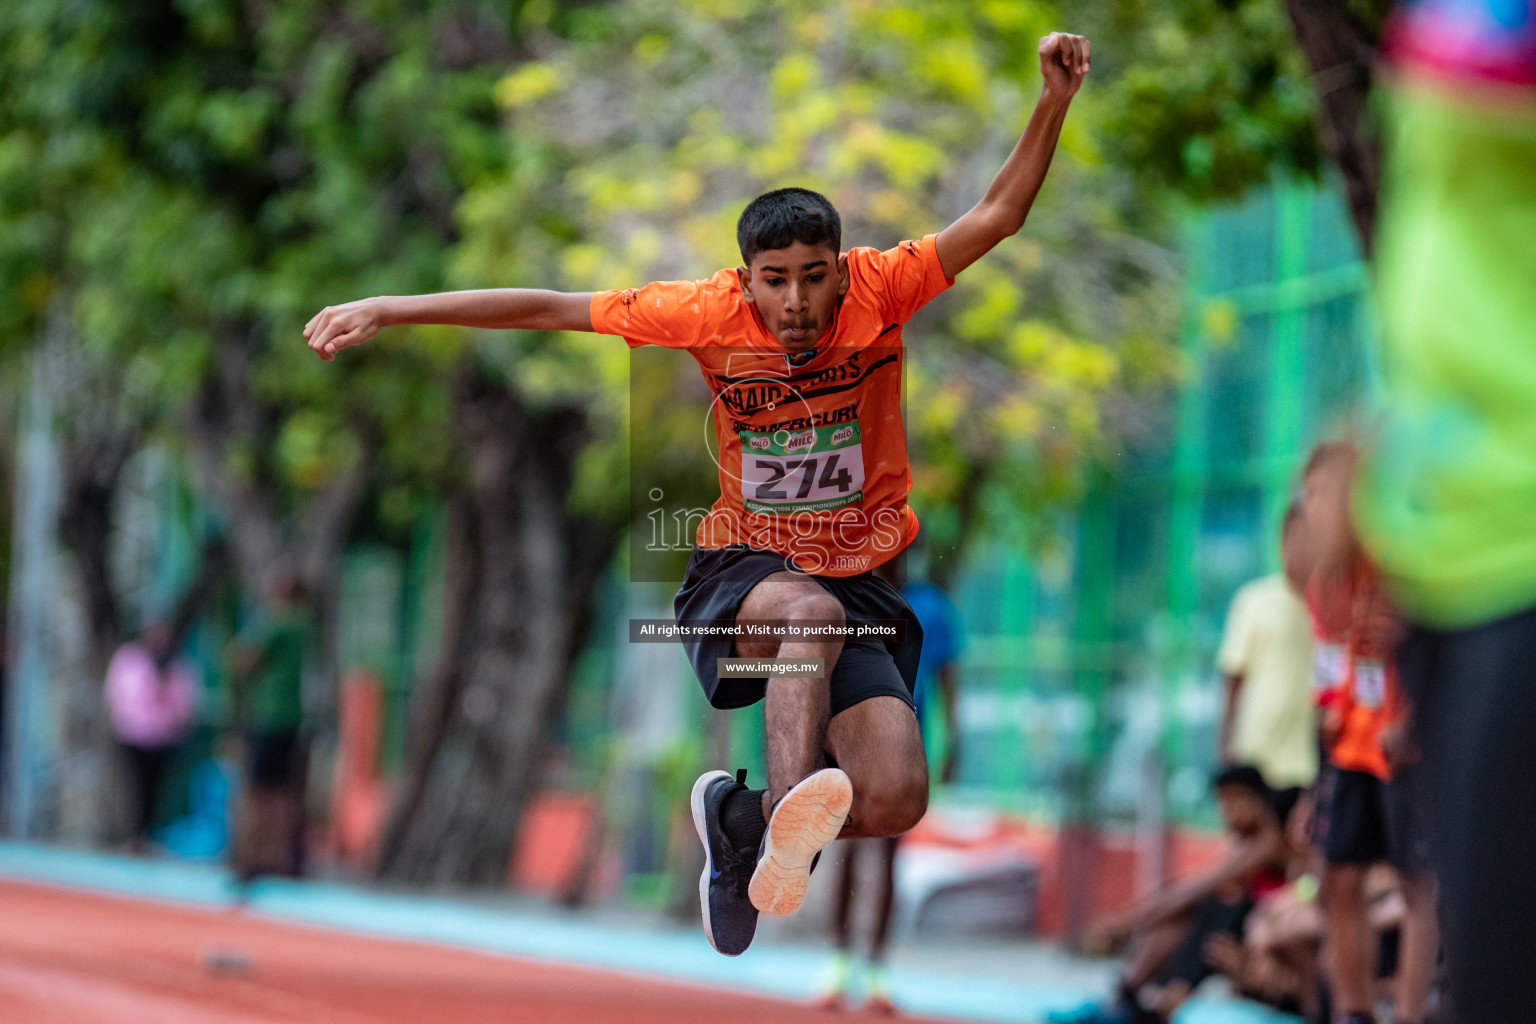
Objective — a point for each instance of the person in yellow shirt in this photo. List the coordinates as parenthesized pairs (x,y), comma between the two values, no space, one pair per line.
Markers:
(1269,719)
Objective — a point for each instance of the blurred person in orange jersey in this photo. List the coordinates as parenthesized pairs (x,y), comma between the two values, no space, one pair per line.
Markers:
(1446,500)
(1364,812)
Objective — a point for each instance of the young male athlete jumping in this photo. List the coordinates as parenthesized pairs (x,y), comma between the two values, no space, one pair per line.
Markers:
(801,346)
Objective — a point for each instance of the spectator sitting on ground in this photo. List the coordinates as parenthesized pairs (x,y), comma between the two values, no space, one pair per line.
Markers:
(1276,960)
(1167,932)
(1279,961)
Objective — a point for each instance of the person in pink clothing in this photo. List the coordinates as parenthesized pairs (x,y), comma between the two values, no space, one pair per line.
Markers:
(150,695)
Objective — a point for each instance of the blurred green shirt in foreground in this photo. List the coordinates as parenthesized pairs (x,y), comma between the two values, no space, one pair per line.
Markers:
(1447,501)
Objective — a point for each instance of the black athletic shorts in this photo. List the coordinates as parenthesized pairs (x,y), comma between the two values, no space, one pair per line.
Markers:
(1284,802)
(1211,916)
(1350,826)
(716,581)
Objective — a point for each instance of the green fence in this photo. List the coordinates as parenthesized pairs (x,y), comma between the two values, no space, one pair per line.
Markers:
(1091,667)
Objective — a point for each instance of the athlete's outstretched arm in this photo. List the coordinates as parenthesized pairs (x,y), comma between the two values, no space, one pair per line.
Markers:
(1064,60)
(531,309)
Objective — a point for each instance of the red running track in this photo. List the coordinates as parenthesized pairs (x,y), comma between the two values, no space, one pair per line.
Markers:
(68,957)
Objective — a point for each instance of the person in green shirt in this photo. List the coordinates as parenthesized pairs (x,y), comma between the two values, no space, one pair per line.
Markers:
(1446,499)
(269,659)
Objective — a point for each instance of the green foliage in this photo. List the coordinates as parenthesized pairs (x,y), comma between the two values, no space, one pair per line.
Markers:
(193,179)
(1207,98)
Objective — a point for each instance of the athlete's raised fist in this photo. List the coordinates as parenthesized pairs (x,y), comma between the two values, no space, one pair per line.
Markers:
(1064,60)
(337,327)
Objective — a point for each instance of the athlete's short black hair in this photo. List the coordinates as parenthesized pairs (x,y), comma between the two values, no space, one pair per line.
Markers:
(779,219)
(1243,776)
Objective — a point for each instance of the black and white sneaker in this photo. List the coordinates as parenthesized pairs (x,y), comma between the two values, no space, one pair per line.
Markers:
(803,823)
(730,919)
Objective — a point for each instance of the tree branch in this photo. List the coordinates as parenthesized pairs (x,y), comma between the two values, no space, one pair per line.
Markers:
(1340,42)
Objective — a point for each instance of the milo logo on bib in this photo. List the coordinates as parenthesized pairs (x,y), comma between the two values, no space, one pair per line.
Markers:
(801,442)
(814,470)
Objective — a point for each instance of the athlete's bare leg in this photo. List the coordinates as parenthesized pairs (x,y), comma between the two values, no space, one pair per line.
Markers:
(886,896)
(1420,944)
(1349,937)
(795,711)
(842,909)
(878,743)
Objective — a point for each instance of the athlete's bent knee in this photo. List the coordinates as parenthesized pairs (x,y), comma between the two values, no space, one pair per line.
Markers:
(890,805)
(820,607)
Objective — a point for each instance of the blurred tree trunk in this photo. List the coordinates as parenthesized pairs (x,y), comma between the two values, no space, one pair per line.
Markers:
(1340,40)
(232,435)
(520,579)
(93,464)
(93,467)
(100,441)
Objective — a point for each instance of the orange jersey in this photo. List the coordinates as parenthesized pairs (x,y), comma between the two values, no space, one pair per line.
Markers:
(1366,711)
(1368,697)
(1329,610)
(812,451)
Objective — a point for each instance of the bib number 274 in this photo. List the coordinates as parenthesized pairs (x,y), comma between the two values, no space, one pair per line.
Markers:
(814,471)
(832,479)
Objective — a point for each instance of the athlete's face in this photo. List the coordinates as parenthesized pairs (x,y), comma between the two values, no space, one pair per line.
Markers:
(796,292)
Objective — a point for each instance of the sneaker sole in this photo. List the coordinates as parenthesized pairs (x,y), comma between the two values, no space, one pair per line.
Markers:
(696,804)
(804,823)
